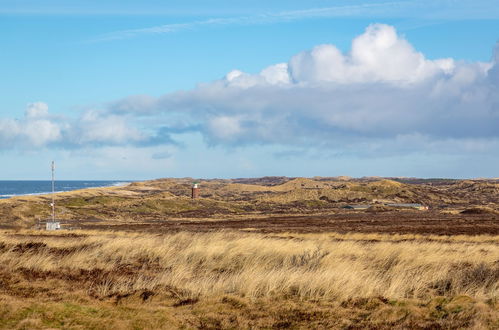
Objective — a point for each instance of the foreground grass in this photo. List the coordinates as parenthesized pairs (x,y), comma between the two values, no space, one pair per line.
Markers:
(234,280)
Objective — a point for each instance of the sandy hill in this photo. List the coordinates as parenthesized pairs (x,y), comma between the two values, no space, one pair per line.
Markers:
(240,187)
(301,183)
(169,198)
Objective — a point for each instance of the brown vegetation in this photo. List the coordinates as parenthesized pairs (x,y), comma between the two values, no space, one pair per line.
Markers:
(234,280)
(271,252)
(394,222)
(168,200)
(480,210)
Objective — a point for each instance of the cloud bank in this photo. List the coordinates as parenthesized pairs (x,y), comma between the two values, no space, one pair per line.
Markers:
(38,129)
(381,96)
(382,90)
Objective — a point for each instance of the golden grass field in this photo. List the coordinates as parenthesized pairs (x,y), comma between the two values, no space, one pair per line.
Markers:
(229,279)
(267,253)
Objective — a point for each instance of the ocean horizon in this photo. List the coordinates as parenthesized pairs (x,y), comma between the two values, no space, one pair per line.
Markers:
(13,188)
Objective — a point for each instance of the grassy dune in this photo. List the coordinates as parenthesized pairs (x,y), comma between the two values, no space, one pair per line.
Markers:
(235,279)
(162,199)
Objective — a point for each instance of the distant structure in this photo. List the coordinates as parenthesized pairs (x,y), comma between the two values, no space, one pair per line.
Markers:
(195,190)
(416,206)
(357,207)
(52,224)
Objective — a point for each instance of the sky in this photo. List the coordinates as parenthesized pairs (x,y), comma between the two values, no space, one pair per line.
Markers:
(133,90)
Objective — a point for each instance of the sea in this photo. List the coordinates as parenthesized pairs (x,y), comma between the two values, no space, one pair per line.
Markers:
(19,188)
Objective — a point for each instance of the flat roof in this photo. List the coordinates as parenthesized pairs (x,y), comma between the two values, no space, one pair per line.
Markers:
(359,206)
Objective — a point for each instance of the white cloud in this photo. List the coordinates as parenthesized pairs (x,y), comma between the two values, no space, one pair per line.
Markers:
(34,130)
(93,127)
(381,95)
(276,74)
(40,129)
(381,89)
(37,110)
(224,127)
(378,55)
(273,75)
(41,132)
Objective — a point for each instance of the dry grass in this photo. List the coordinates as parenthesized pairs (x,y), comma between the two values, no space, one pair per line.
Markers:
(374,272)
(153,200)
(255,265)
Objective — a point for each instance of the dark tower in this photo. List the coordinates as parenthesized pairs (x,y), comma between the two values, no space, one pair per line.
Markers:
(195,190)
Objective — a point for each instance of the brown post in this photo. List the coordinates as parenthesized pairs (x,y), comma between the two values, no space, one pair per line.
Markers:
(195,191)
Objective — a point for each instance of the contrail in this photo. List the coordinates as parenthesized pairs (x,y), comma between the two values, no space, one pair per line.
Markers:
(285,16)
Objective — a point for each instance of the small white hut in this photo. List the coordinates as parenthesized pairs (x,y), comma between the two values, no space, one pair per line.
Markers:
(53,225)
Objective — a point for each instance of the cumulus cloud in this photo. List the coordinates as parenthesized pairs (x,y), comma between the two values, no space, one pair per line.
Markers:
(381,95)
(38,128)
(37,110)
(111,129)
(378,55)
(380,90)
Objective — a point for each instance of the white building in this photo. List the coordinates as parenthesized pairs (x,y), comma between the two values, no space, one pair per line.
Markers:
(53,225)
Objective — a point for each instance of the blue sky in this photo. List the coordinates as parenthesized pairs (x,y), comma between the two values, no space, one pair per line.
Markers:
(147,89)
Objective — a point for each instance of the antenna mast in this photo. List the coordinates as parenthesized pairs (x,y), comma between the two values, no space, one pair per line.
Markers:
(53,191)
